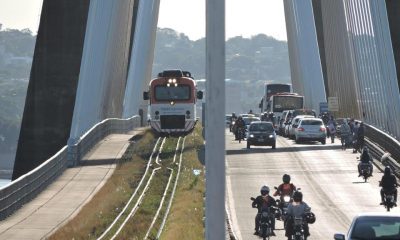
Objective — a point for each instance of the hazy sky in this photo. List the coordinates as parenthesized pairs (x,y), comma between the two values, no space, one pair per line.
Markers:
(243,18)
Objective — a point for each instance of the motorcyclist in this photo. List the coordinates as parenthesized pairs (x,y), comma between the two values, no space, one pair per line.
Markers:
(233,116)
(264,117)
(239,124)
(388,184)
(332,129)
(365,159)
(355,137)
(345,132)
(263,201)
(360,135)
(325,118)
(286,188)
(297,209)
(233,120)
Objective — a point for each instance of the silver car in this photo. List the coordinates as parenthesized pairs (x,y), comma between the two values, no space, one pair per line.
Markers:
(373,226)
(310,129)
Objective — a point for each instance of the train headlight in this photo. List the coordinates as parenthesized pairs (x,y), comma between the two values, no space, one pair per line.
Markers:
(173,80)
(168,84)
(170,80)
(176,84)
(172,102)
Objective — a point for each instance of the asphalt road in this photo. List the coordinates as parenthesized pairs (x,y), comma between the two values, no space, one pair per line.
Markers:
(327,177)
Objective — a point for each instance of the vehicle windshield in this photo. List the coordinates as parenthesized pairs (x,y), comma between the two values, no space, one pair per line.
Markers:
(277,88)
(248,120)
(311,122)
(262,127)
(304,112)
(165,93)
(372,228)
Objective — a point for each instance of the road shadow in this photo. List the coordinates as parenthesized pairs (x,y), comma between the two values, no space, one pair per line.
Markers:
(201,154)
(97,162)
(282,149)
(359,182)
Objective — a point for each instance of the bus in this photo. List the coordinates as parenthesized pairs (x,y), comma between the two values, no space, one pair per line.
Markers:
(271,89)
(280,102)
(172,102)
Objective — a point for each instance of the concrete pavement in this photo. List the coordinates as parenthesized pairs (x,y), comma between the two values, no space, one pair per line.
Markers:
(327,176)
(63,199)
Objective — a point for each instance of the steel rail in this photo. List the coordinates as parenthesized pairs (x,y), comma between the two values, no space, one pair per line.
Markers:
(173,190)
(133,195)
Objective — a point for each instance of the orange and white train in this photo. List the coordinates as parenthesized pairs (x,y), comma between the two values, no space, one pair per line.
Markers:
(172,102)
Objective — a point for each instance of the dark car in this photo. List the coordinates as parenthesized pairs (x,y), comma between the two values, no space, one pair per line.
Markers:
(261,134)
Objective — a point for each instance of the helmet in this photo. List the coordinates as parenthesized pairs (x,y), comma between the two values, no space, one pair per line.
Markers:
(365,149)
(297,196)
(233,114)
(264,190)
(310,217)
(286,178)
(388,170)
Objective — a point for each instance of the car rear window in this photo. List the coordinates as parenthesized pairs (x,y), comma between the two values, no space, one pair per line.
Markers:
(311,122)
(261,127)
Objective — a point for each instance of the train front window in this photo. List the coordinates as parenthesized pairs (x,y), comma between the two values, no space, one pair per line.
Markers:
(172,93)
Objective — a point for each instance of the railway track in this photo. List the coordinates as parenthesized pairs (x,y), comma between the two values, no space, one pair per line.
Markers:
(150,203)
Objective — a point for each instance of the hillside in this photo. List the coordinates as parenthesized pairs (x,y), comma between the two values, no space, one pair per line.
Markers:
(249,63)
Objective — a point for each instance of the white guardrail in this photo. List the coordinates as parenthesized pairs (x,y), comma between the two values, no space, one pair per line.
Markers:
(26,187)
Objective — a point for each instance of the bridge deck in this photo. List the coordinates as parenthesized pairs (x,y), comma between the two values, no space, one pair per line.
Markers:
(67,195)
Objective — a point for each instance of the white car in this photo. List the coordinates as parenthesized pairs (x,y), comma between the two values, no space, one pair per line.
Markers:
(310,129)
(294,124)
(373,226)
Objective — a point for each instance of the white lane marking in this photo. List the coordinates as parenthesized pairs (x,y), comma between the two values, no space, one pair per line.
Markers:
(231,209)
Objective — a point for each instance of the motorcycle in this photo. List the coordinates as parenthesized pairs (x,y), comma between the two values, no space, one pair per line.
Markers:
(283,204)
(298,229)
(365,171)
(265,230)
(389,200)
(240,134)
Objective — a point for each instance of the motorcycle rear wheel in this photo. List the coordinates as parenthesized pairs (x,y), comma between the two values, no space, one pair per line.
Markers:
(264,234)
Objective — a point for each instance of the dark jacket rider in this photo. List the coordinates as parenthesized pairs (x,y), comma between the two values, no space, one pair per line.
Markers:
(365,159)
(239,124)
(264,201)
(388,184)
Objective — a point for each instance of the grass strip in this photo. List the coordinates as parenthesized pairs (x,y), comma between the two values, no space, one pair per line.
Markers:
(185,220)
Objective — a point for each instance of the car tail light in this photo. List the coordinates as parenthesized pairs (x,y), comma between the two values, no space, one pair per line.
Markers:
(322,129)
(300,129)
